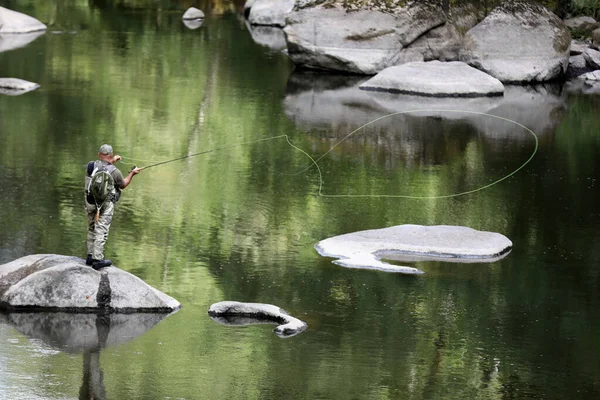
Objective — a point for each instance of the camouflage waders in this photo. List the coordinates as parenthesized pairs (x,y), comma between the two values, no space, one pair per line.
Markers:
(98,231)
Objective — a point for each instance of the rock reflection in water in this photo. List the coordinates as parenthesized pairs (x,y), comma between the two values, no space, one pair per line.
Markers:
(12,41)
(83,333)
(268,36)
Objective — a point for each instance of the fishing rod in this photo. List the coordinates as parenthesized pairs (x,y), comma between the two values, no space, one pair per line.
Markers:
(207,151)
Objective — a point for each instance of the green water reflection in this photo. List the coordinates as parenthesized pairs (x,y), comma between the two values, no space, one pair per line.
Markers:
(240,224)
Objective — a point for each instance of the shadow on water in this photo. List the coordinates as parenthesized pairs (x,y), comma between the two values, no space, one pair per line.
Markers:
(83,333)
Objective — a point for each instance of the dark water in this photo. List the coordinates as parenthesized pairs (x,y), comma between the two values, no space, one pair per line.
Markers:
(241,223)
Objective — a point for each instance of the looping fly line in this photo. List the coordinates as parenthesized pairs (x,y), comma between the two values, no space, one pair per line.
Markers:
(399,196)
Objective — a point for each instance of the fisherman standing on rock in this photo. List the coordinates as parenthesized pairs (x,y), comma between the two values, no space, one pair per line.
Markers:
(103,185)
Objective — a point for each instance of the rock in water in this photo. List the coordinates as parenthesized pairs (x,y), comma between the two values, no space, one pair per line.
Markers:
(435,78)
(363,41)
(193,13)
(236,313)
(55,282)
(270,12)
(16,22)
(15,87)
(452,243)
(519,42)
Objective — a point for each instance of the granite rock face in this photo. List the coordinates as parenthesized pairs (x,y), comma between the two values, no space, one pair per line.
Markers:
(16,22)
(55,282)
(364,249)
(519,42)
(237,313)
(437,79)
(363,41)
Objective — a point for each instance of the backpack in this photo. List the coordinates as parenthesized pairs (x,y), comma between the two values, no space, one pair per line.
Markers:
(101,185)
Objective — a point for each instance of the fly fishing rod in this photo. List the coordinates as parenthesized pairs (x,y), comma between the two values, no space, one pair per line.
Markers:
(207,151)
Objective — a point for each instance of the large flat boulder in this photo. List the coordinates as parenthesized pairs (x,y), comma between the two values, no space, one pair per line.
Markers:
(365,40)
(16,87)
(519,42)
(365,249)
(270,12)
(435,78)
(239,314)
(16,22)
(54,282)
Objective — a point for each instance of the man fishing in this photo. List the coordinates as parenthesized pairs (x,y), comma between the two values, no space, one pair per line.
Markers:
(103,185)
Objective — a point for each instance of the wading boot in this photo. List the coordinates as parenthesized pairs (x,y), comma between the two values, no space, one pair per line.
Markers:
(89,260)
(99,264)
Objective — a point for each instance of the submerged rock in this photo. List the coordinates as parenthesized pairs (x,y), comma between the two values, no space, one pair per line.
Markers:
(12,41)
(364,249)
(55,282)
(519,42)
(16,22)
(16,87)
(435,78)
(77,333)
(192,13)
(236,313)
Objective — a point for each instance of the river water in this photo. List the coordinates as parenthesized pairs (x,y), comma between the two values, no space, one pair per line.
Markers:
(241,223)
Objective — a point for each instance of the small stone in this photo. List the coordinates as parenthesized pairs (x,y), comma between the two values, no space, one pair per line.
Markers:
(193,13)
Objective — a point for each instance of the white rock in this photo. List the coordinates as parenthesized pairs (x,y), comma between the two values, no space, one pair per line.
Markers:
(193,13)
(16,22)
(15,86)
(435,78)
(270,12)
(577,66)
(519,42)
(55,282)
(257,313)
(364,248)
(590,76)
(577,48)
(592,58)
(13,41)
(582,24)
(363,41)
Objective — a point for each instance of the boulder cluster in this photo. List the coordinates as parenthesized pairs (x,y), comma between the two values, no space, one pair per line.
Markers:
(517,42)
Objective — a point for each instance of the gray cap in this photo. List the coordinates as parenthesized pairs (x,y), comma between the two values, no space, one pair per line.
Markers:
(106,149)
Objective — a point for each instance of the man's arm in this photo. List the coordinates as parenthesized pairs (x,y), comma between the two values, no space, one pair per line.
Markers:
(128,178)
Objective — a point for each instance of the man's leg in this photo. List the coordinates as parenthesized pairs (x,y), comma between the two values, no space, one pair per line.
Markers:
(90,210)
(101,230)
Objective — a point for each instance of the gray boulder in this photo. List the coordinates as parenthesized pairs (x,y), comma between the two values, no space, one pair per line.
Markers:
(270,12)
(54,282)
(435,78)
(581,25)
(16,22)
(587,84)
(592,58)
(596,38)
(78,333)
(13,41)
(577,66)
(519,42)
(577,47)
(239,314)
(192,13)
(365,249)
(364,41)
(15,86)
(591,76)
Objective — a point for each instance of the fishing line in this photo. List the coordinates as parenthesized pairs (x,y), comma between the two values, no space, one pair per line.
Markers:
(314,162)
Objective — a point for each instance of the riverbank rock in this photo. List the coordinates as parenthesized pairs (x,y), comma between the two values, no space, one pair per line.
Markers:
(592,58)
(78,333)
(577,47)
(577,66)
(270,12)
(437,79)
(237,313)
(581,26)
(192,13)
(364,41)
(16,22)
(591,76)
(55,282)
(519,42)
(364,249)
(15,86)
(596,38)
